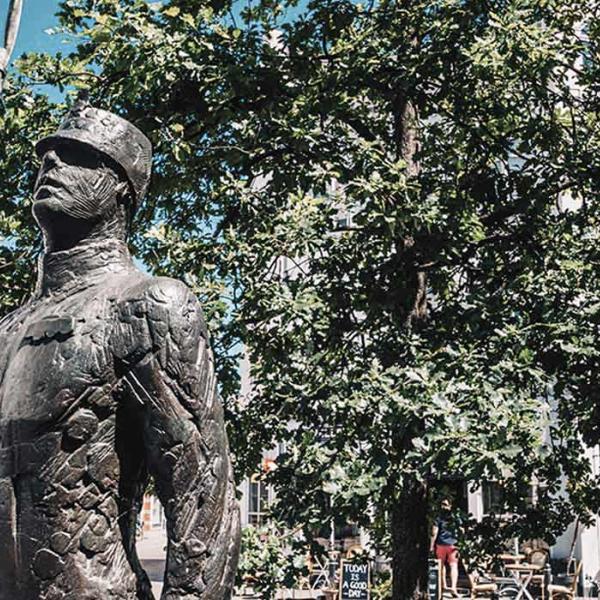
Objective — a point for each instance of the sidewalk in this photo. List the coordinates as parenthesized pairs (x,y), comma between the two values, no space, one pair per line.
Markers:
(152,554)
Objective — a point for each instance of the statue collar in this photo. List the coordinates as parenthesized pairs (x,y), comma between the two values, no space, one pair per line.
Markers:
(69,271)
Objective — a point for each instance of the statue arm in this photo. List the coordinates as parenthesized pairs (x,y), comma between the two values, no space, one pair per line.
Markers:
(173,384)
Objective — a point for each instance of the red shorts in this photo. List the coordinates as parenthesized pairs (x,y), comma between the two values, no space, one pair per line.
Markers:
(447,554)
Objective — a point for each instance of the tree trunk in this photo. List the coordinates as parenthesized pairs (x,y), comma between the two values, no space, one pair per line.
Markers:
(13,20)
(406,133)
(410,543)
(408,516)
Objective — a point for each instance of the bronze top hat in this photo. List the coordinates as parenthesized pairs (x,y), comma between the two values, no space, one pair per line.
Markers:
(110,135)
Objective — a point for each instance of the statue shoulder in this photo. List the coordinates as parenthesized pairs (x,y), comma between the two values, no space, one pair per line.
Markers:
(165,291)
(148,291)
(155,312)
(162,296)
(11,322)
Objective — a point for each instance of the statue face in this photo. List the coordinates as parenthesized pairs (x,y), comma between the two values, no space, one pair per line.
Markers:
(75,181)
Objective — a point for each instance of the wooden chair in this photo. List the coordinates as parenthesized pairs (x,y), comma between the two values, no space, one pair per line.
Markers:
(481,588)
(566,591)
(539,558)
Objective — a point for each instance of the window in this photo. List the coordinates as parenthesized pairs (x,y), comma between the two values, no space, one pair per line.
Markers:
(343,221)
(493,497)
(258,500)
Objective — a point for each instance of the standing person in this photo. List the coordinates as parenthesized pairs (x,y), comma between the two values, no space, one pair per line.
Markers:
(443,543)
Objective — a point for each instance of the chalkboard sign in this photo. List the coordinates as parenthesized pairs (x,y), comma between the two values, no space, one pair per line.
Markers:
(354,581)
(434,580)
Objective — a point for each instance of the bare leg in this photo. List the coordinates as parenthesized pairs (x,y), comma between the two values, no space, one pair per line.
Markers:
(453,576)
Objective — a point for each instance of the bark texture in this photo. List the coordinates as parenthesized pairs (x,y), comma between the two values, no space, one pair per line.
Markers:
(410,543)
(408,516)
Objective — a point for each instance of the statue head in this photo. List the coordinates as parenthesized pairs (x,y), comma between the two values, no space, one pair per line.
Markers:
(95,169)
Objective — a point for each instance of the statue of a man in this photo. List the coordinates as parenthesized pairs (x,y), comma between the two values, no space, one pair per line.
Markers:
(107,379)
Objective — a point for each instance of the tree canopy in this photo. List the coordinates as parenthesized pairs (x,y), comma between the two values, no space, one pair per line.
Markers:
(391,207)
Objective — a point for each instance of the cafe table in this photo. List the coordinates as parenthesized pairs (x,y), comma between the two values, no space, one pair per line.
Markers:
(518,579)
(512,558)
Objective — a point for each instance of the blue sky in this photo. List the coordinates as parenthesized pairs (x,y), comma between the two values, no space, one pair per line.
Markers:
(38,15)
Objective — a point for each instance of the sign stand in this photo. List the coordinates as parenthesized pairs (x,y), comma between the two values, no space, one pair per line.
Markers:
(434,579)
(355,581)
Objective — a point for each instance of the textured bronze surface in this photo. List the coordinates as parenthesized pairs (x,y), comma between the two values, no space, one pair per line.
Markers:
(107,379)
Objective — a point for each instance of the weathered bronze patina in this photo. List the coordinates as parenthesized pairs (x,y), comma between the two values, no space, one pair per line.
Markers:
(107,378)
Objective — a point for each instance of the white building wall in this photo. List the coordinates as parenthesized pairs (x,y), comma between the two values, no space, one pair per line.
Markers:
(590,536)
(562,548)
(589,548)
(243,488)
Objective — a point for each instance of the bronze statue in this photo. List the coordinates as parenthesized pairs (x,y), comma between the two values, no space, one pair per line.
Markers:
(107,379)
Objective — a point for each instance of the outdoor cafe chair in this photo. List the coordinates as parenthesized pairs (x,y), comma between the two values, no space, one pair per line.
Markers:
(481,587)
(566,591)
(539,558)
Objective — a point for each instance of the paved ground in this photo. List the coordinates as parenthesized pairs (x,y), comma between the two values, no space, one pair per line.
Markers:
(151,550)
